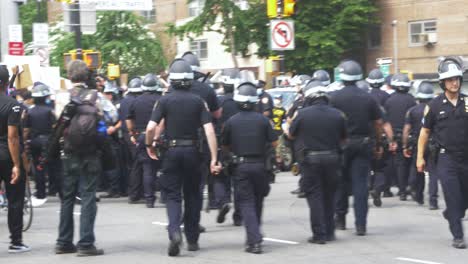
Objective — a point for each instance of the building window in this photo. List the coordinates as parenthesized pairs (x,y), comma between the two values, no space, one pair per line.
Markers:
(200,48)
(374,37)
(418,30)
(150,16)
(242,4)
(196,7)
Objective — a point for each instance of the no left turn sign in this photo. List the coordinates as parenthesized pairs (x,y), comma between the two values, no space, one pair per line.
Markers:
(282,34)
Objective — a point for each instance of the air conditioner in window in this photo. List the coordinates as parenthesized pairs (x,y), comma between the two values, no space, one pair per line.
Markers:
(432,38)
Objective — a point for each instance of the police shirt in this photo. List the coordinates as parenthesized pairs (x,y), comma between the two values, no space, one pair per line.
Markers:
(448,123)
(229,107)
(248,133)
(265,104)
(359,107)
(206,93)
(124,109)
(10,115)
(183,112)
(298,103)
(414,118)
(396,107)
(379,95)
(320,127)
(40,119)
(141,109)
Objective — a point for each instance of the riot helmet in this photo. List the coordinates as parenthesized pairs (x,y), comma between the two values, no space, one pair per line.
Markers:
(246,96)
(323,76)
(363,85)
(40,90)
(375,79)
(425,91)
(151,83)
(230,79)
(401,83)
(180,74)
(449,68)
(350,71)
(315,90)
(134,86)
(192,60)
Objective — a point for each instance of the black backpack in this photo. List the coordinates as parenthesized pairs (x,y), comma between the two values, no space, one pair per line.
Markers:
(82,133)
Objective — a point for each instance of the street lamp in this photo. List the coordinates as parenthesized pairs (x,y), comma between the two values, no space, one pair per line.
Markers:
(395,46)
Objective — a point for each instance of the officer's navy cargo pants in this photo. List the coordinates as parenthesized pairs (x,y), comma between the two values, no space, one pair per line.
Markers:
(181,173)
(320,181)
(452,171)
(251,186)
(357,159)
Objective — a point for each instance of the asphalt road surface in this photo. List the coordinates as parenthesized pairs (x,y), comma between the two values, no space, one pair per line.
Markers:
(398,232)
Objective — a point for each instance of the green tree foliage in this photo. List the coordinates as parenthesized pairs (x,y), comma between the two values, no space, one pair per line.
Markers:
(326,30)
(28,16)
(122,38)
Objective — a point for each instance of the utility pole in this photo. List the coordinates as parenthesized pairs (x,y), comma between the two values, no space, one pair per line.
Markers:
(75,22)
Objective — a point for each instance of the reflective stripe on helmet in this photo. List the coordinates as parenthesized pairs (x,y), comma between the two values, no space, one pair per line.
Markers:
(318,89)
(181,75)
(347,77)
(424,96)
(135,90)
(245,98)
(399,83)
(375,80)
(195,68)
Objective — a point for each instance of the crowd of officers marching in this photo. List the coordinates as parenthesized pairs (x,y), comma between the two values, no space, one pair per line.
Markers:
(355,139)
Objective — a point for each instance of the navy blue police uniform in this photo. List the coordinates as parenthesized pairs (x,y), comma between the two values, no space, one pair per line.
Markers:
(322,128)
(396,107)
(449,130)
(247,133)
(181,164)
(357,153)
(140,112)
(40,119)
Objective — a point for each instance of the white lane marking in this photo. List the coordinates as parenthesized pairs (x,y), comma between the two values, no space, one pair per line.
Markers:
(75,213)
(280,241)
(417,260)
(265,238)
(160,223)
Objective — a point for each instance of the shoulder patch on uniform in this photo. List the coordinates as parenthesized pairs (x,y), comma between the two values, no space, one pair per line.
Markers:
(16,108)
(265,100)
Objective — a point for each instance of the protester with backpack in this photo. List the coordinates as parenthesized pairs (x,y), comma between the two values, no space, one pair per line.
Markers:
(83,141)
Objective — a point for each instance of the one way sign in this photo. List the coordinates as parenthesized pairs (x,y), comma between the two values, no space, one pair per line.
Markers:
(282,34)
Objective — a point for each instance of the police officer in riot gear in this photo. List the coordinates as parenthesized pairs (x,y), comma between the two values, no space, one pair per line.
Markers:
(425,93)
(322,76)
(376,80)
(446,120)
(363,112)
(138,117)
(222,182)
(39,122)
(181,164)
(129,149)
(208,94)
(323,131)
(396,107)
(246,134)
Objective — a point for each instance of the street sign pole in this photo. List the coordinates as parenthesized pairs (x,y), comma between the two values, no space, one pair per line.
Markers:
(75,21)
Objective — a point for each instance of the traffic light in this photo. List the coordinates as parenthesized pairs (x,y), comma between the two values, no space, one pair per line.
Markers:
(92,59)
(272,8)
(289,6)
(67,57)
